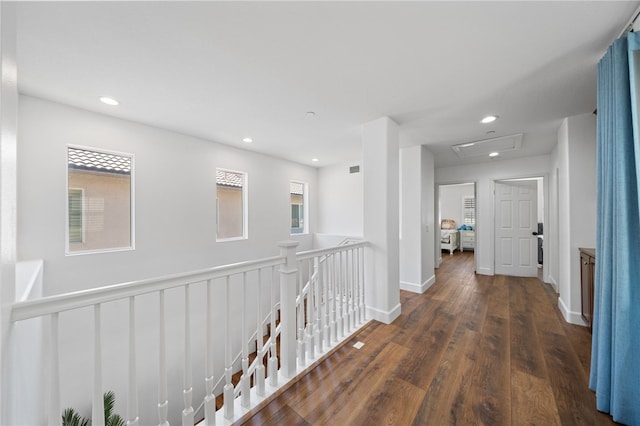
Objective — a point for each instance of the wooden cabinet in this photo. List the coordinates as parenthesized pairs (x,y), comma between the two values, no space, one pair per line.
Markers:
(587,269)
(467,240)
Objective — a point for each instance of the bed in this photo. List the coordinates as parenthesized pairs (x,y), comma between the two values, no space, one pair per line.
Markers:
(449,236)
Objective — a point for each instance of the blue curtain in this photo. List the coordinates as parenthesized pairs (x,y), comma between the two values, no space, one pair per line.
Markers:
(615,355)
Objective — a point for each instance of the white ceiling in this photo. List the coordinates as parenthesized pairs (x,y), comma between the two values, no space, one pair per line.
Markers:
(227,70)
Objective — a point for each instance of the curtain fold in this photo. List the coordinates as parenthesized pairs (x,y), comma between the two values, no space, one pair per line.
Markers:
(615,355)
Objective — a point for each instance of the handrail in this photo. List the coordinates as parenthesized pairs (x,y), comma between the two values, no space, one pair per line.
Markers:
(304,255)
(79,299)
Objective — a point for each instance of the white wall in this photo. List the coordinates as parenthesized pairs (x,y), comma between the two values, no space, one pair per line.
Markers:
(340,208)
(575,158)
(451,205)
(417,227)
(175,232)
(484,174)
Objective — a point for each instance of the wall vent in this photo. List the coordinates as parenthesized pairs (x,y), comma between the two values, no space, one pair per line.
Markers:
(354,169)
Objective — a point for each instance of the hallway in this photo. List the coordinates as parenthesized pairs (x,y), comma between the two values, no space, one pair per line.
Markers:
(473,349)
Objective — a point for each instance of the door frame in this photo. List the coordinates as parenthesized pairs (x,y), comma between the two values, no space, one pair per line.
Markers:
(491,225)
(438,252)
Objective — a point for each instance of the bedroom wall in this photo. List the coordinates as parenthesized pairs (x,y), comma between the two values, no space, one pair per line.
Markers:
(484,174)
(175,232)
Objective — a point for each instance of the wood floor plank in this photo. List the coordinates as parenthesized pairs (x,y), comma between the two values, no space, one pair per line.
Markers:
(575,402)
(532,401)
(394,402)
(526,354)
(315,409)
(490,391)
(446,393)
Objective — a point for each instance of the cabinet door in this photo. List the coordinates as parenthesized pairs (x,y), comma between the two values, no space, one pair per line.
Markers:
(586,284)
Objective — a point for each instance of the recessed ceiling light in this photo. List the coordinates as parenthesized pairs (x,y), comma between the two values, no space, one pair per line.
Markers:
(467,145)
(310,114)
(489,119)
(247,140)
(109,101)
(494,154)
(315,160)
(490,132)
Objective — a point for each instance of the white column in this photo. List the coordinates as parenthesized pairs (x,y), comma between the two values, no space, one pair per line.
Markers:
(416,219)
(380,144)
(8,197)
(288,275)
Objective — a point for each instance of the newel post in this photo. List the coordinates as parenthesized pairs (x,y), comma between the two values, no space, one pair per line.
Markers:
(288,275)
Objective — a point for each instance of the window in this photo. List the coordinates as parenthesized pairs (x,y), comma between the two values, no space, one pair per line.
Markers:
(231,204)
(297,192)
(469,210)
(99,208)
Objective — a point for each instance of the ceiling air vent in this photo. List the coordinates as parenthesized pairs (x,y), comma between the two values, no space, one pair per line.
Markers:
(354,169)
(484,147)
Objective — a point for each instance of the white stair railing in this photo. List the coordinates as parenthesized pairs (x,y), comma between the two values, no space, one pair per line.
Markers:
(321,301)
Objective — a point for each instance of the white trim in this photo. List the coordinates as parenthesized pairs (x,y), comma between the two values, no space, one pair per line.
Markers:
(418,288)
(305,207)
(245,207)
(553,283)
(570,317)
(485,271)
(386,317)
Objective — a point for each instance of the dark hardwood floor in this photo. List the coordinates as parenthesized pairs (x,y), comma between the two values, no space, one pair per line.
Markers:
(472,350)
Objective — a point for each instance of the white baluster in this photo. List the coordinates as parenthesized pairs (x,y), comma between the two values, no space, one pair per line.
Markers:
(352,284)
(273,359)
(259,373)
(209,398)
(187,413)
(356,288)
(317,329)
(302,359)
(228,372)
(245,381)
(97,407)
(340,294)
(163,402)
(132,400)
(363,310)
(334,299)
(326,301)
(309,335)
(54,368)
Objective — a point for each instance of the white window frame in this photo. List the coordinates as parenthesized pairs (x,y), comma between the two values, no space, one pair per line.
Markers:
(132,224)
(464,209)
(245,207)
(305,207)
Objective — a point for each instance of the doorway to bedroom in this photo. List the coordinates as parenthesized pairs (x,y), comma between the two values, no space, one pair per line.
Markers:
(456,215)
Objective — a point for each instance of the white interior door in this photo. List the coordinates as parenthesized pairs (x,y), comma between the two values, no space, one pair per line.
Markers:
(516,216)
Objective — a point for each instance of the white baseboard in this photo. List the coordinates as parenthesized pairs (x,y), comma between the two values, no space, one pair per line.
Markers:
(485,271)
(569,316)
(553,283)
(418,288)
(386,317)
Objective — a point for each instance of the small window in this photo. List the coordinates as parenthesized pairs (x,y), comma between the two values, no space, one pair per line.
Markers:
(231,204)
(298,207)
(469,210)
(99,208)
